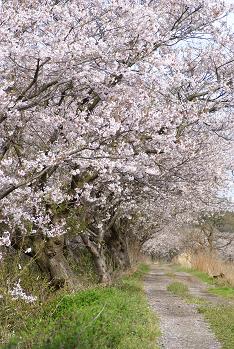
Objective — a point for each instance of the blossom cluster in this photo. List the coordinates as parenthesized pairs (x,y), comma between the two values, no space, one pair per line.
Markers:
(122,107)
(17,292)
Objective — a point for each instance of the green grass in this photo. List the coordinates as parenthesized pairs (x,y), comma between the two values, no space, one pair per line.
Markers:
(219,317)
(199,274)
(227,292)
(221,320)
(181,290)
(203,276)
(217,289)
(116,317)
(178,288)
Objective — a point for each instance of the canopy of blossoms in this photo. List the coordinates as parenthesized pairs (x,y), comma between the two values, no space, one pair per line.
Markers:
(113,108)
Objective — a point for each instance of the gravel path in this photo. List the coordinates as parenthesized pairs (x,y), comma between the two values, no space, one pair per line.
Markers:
(181,325)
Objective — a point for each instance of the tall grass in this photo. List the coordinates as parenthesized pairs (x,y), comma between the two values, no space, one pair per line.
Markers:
(210,264)
(15,313)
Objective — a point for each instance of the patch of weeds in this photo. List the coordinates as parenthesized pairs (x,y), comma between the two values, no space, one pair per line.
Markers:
(221,320)
(99,318)
(181,290)
(178,288)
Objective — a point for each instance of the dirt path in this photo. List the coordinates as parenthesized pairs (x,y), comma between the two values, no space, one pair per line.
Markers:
(182,326)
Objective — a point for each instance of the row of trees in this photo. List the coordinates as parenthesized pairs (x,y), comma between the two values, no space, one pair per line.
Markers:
(115,120)
(211,234)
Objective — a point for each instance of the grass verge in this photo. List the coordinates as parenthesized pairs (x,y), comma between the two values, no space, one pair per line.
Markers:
(227,292)
(217,289)
(199,274)
(103,317)
(221,321)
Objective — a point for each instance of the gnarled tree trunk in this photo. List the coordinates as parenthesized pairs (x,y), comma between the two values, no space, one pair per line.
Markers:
(99,258)
(118,248)
(49,255)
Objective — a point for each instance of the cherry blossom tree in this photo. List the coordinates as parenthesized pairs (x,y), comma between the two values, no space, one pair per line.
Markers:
(110,112)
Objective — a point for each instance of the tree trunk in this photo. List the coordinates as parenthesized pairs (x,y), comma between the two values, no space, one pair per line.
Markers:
(118,247)
(99,259)
(49,255)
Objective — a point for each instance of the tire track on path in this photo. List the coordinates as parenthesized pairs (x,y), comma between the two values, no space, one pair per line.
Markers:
(181,325)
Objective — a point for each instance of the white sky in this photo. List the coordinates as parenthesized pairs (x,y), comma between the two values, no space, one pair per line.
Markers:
(230,18)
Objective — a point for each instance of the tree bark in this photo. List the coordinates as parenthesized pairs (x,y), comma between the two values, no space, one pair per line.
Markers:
(99,259)
(49,255)
(118,248)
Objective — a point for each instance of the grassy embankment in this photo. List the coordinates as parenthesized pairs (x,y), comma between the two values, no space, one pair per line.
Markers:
(102,317)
